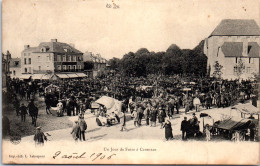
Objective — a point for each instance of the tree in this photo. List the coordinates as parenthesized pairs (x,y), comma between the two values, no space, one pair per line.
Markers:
(114,63)
(239,68)
(217,70)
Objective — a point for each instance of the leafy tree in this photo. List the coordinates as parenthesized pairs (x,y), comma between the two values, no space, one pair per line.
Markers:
(217,70)
(239,68)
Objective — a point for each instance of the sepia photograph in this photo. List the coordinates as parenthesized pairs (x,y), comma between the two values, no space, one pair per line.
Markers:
(130,82)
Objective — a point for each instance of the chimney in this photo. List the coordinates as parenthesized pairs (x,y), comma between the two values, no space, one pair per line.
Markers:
(54,40)
(26,46)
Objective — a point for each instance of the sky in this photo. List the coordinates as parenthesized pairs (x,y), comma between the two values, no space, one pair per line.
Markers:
(91,26)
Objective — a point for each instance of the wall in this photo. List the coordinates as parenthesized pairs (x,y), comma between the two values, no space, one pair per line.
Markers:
(228,63)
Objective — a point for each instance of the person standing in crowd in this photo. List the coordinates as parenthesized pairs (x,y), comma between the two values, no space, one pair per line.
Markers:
(23,110)
(39,137)
(184,128)
(140,115)
(48,104)
(75,131)
(208,101)
(83,127)
(16,106)
(168,130)
(147,113)
(153,116)
(177,104)
(33,111)
(207,132)
(60,107)
(135,116)
(124,123)
(161,116)
(196,103)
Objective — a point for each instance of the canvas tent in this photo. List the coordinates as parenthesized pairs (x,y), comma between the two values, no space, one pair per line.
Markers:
(234,124)
(111,104)
(247,108)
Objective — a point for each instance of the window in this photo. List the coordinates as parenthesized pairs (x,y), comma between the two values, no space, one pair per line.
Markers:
(48,58)
(69,58)
(30,70)
(64,58)
(29,54)
(236,59)
(16,63)
(58,58)
(64,67)
(29,61)
(14,72)
(39,58)
(59,67)
(248,49)
(74,58)
(39,67)
(79,67)
(74,67)
(235,69)
(249,60)
(69,67)
(248,70)
(25,61)
(24,54)
(25,70)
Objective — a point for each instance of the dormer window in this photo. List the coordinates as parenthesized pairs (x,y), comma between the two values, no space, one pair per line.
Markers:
(42,49)
(65,49)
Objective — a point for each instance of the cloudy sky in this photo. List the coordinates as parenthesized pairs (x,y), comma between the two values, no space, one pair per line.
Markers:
(91,26)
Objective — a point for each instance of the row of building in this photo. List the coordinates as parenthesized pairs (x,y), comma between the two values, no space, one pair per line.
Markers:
(56,58)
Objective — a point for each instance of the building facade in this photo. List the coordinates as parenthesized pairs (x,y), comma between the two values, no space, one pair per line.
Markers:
(5,68)
(99,63)
(231,43)
(51,57)
(15,68)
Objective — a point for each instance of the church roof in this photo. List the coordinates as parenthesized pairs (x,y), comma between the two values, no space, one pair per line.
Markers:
(237,27)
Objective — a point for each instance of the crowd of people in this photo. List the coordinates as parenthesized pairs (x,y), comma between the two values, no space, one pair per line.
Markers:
(154,98)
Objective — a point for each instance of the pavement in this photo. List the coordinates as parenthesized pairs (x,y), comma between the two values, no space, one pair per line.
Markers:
(95,132)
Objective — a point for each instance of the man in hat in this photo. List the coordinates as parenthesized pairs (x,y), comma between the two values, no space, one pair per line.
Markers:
(184,127)
(194,119)
(39,137)
(23,110)
(83,127)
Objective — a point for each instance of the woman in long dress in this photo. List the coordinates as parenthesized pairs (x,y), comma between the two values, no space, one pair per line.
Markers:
(168,130)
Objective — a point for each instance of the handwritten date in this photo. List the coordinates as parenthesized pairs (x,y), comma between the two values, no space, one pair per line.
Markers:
(93,156)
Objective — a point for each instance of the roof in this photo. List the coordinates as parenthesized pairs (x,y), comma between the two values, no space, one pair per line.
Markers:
(232,49)
(253,50)
(57,47)
(235,49)
(53,47)
(237,27)
(234,124)
(30,49)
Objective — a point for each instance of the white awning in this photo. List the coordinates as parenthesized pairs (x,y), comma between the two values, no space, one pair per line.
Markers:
(37,76)
(72,75)
(63,75)
(25,76)
(81,74)
(46,77)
